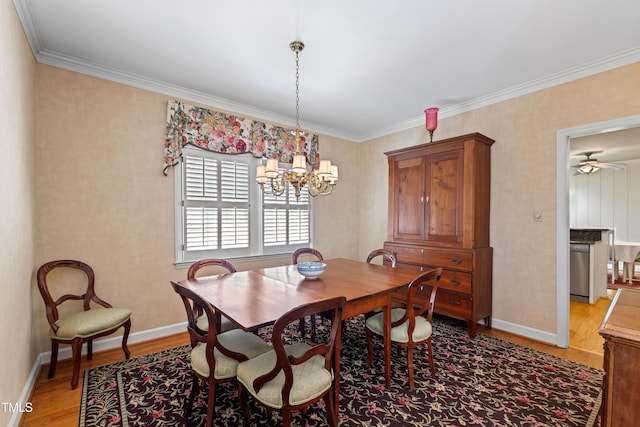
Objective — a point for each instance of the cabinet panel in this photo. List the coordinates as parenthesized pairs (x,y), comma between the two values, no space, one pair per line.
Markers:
(444,181)
(409,200)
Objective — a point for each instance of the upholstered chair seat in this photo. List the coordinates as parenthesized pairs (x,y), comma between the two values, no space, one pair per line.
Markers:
(225,323)
(421,332)
(310,379)
(88,323)
(234,340)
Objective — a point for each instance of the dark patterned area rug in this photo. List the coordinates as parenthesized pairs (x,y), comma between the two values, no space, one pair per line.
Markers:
(481,382)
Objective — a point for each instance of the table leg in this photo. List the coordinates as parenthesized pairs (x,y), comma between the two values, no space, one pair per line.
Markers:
(387,343)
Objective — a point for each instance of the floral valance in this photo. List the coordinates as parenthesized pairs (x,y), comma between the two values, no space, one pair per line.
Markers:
(226,133)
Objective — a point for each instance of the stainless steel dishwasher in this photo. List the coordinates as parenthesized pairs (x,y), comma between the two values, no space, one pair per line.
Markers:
(579,272)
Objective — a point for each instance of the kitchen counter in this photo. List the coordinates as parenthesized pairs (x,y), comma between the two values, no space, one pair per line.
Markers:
(599,241)
(586,235)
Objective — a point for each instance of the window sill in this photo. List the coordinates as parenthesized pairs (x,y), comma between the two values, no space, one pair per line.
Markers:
(237,260)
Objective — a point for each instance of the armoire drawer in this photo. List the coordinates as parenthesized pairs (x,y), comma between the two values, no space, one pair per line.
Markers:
(448,303)
(453,303)
(458,281)
(450,259)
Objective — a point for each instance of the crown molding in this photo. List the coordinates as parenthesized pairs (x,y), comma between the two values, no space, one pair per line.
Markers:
(55,59)
(605,64)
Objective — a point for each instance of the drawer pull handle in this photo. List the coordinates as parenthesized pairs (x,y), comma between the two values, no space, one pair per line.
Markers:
(456,261)
(455,282)
(455,302)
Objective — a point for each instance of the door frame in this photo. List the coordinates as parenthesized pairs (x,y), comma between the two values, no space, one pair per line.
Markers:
(563,170)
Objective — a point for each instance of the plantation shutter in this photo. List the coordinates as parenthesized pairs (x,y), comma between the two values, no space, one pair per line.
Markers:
(216,203)
(235,214)
(286,221)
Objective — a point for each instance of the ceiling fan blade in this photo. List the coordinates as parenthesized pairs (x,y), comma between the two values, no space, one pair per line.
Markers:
(614,166)
(609,166)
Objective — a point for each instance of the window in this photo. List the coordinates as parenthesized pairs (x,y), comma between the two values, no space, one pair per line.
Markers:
(221,212)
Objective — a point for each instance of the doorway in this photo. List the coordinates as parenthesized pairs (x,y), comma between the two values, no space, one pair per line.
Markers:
(563,171)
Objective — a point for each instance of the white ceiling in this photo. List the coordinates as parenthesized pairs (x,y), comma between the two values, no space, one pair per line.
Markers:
(615,146)
(370,67)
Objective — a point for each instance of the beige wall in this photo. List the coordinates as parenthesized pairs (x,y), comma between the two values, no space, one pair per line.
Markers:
(17,114)
(523,179)
(102,197)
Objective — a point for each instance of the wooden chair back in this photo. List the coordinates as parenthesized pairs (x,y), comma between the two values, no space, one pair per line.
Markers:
(210,263)
(385,254)
(52,305)
(195,304)
(307,252)
(421,298)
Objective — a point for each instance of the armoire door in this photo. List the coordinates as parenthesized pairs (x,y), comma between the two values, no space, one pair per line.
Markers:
(409,200)
(444,196)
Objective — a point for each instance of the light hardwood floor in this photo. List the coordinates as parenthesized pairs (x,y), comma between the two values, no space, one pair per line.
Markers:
(55,404)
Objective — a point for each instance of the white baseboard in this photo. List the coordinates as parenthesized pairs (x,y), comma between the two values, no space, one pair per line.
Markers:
(104,344)
(525,331)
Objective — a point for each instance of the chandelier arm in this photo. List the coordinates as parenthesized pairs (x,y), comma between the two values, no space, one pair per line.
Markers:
(316,184)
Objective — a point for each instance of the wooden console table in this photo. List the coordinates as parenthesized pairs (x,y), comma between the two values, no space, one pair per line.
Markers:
(621,332)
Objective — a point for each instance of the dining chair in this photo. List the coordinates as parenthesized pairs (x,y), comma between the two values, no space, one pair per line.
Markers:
(215,356)
(210,266)
(298,256)
(386,255)
(409,327)
(296,375)
(81,326)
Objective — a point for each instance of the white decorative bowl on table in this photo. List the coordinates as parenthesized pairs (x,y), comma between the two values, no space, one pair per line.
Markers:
(311,270)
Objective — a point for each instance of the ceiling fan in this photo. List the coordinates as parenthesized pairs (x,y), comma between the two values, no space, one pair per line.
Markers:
(590,165)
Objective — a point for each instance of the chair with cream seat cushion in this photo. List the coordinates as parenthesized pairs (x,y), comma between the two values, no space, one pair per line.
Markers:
(212,266)
(95,320)
(295,376)
(213,352)
(409,327)
(386,255)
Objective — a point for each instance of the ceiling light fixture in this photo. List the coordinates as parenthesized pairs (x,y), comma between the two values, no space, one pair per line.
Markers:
(274,181)
(588,168)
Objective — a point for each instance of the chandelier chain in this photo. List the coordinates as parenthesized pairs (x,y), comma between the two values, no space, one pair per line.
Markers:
(318,182)
(297,92)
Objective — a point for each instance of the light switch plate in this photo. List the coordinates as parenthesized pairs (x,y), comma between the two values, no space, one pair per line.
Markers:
(537,216)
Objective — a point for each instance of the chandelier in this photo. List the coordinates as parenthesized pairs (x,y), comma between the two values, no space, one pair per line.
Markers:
(273,181)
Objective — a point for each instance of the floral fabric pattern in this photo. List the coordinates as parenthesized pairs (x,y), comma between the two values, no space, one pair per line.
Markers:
(227,133)
(479,382)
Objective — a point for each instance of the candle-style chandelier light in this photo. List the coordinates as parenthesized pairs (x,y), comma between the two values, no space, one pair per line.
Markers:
(319,182)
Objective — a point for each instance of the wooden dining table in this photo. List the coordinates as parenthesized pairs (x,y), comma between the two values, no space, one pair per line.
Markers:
(257,298)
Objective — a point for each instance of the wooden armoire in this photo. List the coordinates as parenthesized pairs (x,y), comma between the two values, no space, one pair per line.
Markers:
(439,217)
